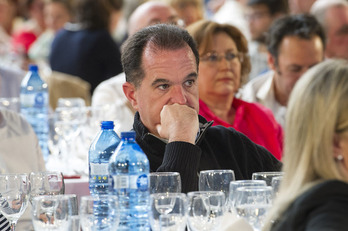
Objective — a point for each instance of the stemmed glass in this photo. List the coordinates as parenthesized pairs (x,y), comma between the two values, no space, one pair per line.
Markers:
(52,212)
(46,183)
(234,185)
(14,190)
(205,210)
(99,213)
(266,176)
(276,181)
(165,182)
(168,211)
(216,180)
(67,124)
(252,203)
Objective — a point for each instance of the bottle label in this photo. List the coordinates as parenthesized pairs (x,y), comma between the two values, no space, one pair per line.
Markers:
(139,182)
(99,169)
(34,100)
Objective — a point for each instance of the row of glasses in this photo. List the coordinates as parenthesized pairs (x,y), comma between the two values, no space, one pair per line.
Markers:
(17,189)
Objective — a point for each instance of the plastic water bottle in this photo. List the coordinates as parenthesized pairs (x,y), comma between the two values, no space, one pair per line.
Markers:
(102,148)
(129,180)
(34,106)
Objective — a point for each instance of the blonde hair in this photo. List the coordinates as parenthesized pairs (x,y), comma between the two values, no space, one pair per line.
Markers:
(317,110)
(203,32)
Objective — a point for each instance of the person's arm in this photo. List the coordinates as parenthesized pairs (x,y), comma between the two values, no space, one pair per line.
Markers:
(179,125)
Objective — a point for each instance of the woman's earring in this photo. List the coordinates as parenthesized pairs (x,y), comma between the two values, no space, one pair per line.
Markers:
(339,158)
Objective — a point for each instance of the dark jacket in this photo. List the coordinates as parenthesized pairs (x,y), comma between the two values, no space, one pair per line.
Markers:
(89,54)
(324,207)
(216,148)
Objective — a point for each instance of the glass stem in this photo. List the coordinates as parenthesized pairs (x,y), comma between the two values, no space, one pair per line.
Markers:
(13,225)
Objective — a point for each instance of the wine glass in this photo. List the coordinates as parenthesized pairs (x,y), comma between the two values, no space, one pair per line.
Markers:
(234,185)
(165,182)
(276,181)
(52,212)
(46,183)
(216,180)
(14,190)
(252,203)
(266,176)
(205,210)
(68,122)
(99,213)
(168,211)
(71,102)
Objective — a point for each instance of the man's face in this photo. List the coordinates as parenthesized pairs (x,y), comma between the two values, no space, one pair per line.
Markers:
(259,19)
(337,32)
(170,77)
(296,55)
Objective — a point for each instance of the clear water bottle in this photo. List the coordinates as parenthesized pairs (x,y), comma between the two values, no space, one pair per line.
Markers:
(102,148)
(129,180)
(34,106)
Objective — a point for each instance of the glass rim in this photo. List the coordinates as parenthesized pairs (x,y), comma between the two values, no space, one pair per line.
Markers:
(236,182)
(216,170)
(93,197)
(210,193)
(170,194)
(266,173)
(254,188)
(164,173)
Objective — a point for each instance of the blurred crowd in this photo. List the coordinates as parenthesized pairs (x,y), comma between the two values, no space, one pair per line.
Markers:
(251,55)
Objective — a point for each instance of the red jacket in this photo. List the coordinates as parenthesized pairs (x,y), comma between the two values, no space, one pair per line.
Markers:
(253,120)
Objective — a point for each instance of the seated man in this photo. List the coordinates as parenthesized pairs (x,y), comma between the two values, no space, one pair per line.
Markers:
(295,43)
(161,67)
(109,92)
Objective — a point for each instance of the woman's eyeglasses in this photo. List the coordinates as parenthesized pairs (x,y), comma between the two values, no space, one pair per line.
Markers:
(214,57)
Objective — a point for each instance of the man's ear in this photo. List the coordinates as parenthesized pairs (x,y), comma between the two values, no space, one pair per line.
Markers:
(130,92)
(271,61)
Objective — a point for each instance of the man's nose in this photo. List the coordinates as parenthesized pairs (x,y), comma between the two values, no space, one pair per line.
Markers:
(178,95)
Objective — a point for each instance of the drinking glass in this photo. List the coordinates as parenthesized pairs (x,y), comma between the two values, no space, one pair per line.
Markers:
(252,203)
(14,190)
(168,211)
(73,212)
(205,210)
(216,180)
(71,102)
(266,176)
(165,182)
(46,183)
(276,181)
(68,122)
(99,213)
(52,212)
(234,185)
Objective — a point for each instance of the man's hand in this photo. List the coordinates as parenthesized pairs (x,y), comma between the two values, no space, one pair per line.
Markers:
(178,123)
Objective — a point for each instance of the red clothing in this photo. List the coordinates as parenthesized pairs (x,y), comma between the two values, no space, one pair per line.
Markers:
(253,120)
(22,41)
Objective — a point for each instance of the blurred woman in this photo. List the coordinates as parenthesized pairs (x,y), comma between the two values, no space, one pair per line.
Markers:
(223,68)
(56,13)
(314,190)
(86,48)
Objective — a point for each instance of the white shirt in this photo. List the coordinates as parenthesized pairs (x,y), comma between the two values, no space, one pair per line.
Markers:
(110,92)
(19,148)
(261,90)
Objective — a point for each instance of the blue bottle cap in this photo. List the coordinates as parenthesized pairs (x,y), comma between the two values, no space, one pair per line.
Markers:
(107,124)
(128,135)
(33,67)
